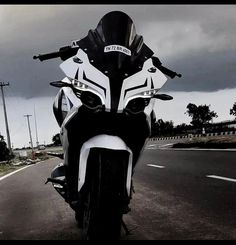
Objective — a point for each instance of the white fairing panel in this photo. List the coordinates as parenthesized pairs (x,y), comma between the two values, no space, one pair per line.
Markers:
(87,74)
(71,99)
(97,82)
(140,82)
(103,141)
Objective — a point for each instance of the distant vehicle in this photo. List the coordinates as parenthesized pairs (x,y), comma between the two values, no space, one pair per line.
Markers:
(41,147)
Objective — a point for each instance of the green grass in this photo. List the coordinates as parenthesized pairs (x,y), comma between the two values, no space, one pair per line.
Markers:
(6,168)
(218,142)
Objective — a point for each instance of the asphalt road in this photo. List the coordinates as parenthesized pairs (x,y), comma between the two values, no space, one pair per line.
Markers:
(174,199)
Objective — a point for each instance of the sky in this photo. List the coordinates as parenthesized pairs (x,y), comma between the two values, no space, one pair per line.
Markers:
(197,41)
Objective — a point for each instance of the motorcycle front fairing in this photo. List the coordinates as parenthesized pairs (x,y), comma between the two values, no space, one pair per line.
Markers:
(112,79)
(104,108)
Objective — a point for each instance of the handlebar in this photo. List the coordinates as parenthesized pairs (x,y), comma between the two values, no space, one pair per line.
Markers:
(63,53)
(168,72)
(157,63)
(68,51)
(48,56)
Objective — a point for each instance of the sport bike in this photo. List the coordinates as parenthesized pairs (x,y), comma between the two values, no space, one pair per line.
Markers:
(104,107)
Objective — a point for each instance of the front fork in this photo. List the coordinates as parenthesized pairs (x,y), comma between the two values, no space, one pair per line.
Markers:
(103,142)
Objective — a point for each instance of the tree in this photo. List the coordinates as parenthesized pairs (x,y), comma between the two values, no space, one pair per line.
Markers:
(201,115)
(182,128)
(153,124)
(233,110)
(164,128)
(4,151)
(56,139)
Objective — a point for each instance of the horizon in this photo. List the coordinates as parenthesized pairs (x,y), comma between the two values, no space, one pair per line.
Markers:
(166,110)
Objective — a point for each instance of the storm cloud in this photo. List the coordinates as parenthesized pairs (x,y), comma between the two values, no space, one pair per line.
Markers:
(195,40)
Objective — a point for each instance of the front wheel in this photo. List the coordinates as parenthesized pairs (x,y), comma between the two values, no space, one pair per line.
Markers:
(105,194)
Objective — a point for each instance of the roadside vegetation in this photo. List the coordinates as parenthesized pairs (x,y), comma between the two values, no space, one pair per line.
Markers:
(7,168)
(201,123)
(20,158)
(213,142)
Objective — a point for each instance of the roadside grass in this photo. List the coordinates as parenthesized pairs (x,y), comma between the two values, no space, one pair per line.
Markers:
(217,142)
(18,162)
(6,168)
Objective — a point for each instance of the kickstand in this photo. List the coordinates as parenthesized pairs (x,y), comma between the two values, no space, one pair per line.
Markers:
(127,231)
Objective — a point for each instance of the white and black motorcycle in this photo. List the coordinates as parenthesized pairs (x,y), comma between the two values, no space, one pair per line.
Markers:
(104,108)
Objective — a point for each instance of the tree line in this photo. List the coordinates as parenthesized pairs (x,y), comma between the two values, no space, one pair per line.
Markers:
(201,117)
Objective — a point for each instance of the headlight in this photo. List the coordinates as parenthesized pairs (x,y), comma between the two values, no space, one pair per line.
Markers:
(150,92)
(137,105)
(87,95)
(78,85)
(90,100)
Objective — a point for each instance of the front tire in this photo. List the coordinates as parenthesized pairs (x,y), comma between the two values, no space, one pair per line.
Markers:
(106,194)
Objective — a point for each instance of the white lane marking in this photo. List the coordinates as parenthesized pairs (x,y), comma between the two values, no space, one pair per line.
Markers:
(7,175)
(220,177)
(155,166)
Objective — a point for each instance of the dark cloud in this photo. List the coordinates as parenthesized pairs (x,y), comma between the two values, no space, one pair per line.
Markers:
(204,71)
(29,78)
(206,52)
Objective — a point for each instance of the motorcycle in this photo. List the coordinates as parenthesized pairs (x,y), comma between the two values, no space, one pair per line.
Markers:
(104,108)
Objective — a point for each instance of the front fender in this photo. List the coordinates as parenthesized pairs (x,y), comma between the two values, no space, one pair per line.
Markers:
(107,142)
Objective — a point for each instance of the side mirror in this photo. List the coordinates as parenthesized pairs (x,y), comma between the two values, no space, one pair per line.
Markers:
(163,97)
(60,84)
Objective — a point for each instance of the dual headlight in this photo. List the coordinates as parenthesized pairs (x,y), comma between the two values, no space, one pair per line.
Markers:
(87,96)
(93,101)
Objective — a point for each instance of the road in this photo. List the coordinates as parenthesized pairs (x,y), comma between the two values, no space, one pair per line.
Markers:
(178,195)
(178,201)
